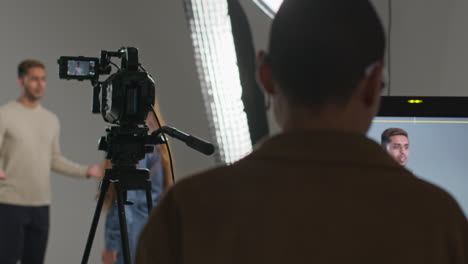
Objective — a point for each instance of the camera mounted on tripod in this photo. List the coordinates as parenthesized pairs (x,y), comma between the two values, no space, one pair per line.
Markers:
(124,100)
(125,97)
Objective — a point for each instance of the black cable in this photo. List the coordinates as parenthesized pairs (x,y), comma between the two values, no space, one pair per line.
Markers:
(166,143)
(114,65)
(389,46)
(142,68)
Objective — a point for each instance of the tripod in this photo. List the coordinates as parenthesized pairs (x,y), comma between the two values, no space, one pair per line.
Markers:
(125,146)
(123,179)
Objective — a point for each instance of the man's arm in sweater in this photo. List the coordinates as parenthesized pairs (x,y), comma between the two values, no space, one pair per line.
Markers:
(2,134)
(64,166)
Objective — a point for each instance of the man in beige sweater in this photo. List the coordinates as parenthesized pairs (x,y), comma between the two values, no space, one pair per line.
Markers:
(29,149)
(320,191)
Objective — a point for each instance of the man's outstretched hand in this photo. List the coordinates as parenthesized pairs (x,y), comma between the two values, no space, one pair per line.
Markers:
(95,171)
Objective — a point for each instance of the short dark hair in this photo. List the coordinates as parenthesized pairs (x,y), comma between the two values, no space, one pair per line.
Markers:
(25,65)
(390,132)
(319,49)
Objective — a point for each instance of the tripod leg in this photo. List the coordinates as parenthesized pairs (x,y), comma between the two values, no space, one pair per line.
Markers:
(123,222)
(92,232)
(149,198)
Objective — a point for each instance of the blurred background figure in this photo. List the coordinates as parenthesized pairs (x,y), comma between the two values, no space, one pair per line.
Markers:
(136,215)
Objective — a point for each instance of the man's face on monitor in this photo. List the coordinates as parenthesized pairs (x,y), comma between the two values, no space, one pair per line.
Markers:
(398,148)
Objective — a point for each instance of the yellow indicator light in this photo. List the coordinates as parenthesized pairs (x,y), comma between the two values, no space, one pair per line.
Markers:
(415,101)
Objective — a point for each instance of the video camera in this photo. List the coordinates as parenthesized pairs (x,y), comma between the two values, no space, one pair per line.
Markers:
(125,97)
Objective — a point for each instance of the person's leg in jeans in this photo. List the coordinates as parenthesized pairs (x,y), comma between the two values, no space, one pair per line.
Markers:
(12,222)
(36,235)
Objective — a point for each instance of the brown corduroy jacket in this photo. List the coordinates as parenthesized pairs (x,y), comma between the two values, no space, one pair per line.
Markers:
(312,197)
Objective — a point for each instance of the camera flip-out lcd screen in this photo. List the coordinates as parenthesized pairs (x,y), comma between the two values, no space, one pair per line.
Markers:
(80,68)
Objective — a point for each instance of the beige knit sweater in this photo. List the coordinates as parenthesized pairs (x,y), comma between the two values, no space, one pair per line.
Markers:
(29,149)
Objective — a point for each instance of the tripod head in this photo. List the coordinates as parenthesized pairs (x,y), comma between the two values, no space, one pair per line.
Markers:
(126,145)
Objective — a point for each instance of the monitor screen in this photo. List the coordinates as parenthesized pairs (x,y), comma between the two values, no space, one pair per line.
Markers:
(437,150)
(81,68)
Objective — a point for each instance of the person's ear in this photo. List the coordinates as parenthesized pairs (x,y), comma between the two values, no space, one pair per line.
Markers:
(264,74)
(372,85)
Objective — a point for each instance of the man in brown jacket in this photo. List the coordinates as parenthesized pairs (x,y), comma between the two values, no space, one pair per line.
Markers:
(320,191)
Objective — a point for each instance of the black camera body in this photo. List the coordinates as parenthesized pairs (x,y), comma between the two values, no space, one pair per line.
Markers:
(125,97)
(124,100)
